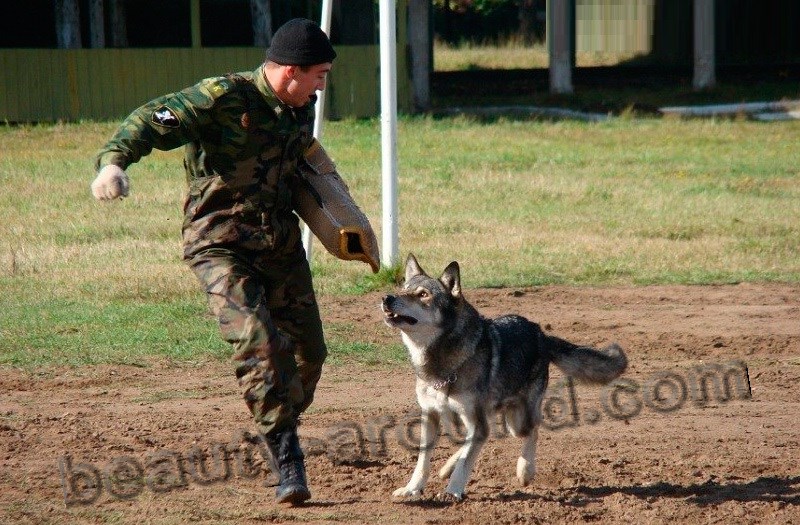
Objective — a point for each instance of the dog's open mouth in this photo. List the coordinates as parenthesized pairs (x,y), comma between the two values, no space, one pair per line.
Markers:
(394,318)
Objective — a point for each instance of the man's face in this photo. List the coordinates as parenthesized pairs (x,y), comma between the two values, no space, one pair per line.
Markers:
(304,84)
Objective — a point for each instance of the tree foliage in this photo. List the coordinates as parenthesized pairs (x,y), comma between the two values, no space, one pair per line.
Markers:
(477,21)
(481,7)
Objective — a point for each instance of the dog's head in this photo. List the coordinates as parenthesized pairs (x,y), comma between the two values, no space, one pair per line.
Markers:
(424,305)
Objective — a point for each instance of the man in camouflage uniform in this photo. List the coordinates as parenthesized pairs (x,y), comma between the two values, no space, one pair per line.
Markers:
(245,135)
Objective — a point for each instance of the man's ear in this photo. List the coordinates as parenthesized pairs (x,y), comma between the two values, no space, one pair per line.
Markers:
(451,279)
(412,267)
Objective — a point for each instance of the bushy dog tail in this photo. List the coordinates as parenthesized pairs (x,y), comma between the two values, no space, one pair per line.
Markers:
(585,363)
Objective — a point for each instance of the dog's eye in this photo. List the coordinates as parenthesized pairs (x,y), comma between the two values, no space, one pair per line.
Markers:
(423,294)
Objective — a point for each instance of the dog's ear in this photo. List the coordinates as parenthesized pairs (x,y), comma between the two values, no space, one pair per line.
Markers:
(412,267)
(451,279)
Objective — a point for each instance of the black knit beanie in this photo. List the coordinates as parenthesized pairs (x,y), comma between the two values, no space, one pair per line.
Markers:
(300,42)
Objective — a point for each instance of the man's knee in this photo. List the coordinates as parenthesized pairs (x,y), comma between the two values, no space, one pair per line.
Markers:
(311,356)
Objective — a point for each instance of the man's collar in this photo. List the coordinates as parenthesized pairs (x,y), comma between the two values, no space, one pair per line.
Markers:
(272,100)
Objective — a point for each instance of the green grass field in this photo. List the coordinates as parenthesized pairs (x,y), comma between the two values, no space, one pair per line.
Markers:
(517,202)
(513,55)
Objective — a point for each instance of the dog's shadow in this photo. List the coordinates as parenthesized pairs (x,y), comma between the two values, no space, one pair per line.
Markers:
(764,489)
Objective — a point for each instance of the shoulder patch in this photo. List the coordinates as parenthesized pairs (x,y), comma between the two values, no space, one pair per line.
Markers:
(206,93)
(208,90)
(163,116)
(219,86)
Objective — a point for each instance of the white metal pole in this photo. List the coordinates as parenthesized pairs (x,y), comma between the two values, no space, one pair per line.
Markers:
(704,60)
(325,24)
(559,46)
(388,45)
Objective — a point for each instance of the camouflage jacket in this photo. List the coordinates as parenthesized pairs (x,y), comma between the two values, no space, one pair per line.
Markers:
(243,147)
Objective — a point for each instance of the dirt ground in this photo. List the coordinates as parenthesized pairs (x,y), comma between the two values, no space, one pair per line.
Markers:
(651,449)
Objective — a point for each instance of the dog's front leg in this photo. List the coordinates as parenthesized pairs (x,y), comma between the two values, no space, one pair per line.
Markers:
(429,433)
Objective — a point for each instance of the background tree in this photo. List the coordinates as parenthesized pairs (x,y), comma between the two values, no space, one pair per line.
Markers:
(97,26)
(68,24)
(119,27)
(482,21)
(528,29)
(262,22)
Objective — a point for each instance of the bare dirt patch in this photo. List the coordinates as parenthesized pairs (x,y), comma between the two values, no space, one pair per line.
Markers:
(723,460)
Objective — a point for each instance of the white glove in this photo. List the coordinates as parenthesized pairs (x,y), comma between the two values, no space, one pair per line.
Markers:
(111,182)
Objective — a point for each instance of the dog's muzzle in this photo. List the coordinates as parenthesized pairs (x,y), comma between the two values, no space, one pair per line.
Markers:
(390,316)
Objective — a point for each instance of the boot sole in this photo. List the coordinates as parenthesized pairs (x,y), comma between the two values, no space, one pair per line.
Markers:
(295,496)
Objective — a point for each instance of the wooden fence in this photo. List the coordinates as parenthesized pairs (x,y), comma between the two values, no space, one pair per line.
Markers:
(614,27)
(46,85)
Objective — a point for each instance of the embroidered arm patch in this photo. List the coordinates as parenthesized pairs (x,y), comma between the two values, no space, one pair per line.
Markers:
(163,116)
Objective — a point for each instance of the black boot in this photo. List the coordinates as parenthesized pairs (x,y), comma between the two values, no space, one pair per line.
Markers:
(286,449)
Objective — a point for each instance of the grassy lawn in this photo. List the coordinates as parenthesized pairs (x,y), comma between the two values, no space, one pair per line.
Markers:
(517,202)
(512,55)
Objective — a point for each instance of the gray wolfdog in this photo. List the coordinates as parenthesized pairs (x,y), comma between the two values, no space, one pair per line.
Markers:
(476,367)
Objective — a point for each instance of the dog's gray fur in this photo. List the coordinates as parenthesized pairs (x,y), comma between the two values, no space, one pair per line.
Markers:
(476,367)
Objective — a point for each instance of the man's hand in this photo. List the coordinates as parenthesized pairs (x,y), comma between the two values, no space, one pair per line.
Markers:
(111,182)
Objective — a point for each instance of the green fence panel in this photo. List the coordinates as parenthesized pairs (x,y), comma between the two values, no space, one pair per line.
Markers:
(99,84)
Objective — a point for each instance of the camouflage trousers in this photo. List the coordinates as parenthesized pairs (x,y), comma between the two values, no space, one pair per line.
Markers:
(267,310)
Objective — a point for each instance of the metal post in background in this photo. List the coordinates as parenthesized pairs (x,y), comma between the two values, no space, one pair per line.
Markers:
(325,24)
(388,54)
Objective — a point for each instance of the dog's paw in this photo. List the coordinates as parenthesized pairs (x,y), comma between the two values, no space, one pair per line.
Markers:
(407,493)
(525,471)
(449,497)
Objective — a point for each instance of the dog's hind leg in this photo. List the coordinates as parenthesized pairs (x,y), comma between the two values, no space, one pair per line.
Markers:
(526,463)
(528,417)
(454,432)
(448,467)
(519,422)
(464,460)
(517,419)
(429,432)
